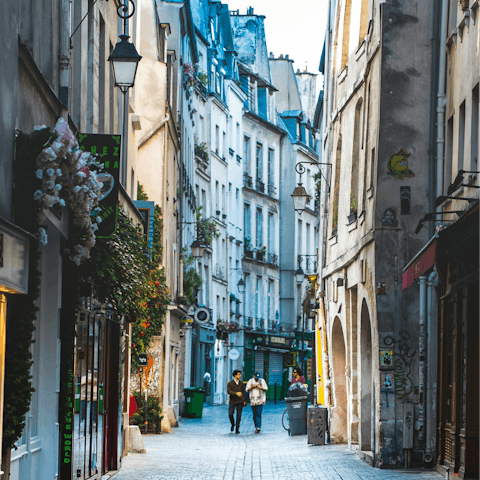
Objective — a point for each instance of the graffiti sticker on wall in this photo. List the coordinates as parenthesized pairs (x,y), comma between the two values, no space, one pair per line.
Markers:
(386,358)
(397,165)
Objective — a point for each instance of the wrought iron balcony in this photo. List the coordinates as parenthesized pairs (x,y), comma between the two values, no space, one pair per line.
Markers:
(272,325)
(260,186)
(272,259)
(272,191)
(247,181)
(248,323)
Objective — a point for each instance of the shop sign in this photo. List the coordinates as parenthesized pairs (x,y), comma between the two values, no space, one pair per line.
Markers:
(107,149)
(420,266)
(14,247)
(67,437)
(142,359)
(207,336)
(147,210)
(233,354)
(290,359)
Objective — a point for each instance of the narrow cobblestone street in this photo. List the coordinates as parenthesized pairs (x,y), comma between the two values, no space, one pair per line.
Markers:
(205,449)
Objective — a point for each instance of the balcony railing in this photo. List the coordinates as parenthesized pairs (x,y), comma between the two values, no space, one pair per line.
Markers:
(272,259)
(247,180)
(260,186)
(272,325)
(260,324)
(248,323)
(272,191)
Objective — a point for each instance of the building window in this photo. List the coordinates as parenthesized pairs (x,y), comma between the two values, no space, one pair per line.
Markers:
(259,228)
(259,161)
(474,130)
(271,167)
(461,137)
(217,139)
(247,222)
(246,154)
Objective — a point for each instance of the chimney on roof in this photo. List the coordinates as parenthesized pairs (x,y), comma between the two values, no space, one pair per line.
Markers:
(306,69)
(298,70)
(250,11)
(287,57)
(281,55)
(271,54)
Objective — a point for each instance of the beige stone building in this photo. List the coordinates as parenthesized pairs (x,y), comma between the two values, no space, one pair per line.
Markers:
(377,115)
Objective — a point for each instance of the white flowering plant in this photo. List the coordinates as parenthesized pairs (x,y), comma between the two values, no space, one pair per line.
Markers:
(69,178)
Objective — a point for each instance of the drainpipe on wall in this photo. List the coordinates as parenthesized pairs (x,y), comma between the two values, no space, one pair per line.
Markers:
(431,392)
(323,224)
(441,100)
(421,359)
(64,53)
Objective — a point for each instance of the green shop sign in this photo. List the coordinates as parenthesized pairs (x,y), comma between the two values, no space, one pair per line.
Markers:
(107,149)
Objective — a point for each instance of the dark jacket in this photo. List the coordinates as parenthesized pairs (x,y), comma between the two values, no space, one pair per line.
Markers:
(233,388)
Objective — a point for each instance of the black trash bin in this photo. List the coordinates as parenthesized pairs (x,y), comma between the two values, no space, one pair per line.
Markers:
(317,425)
(297,414)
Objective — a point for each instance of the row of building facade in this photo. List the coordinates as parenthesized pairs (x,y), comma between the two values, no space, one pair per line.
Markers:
(398,266)
(210,134)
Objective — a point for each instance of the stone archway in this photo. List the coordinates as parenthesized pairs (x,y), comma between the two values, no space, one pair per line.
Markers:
(338,419)
(366,386)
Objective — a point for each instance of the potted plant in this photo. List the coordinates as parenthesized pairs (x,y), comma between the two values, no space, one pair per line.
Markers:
(247,247)
(353,209)
(206,229)
(261,253)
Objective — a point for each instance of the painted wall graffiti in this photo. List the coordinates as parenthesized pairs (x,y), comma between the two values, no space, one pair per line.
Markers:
(397,165)
(402,363)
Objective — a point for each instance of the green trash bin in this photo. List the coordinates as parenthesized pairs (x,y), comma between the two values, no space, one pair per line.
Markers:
(194,397)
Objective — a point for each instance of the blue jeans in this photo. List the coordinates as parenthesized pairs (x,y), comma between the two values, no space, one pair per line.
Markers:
(257,415)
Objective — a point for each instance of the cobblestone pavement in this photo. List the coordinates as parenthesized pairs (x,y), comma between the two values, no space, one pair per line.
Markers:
(205,449)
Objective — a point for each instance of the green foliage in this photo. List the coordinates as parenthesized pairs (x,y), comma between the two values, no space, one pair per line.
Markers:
(157,249)
(317,177)
(122,275)
(22,309)
(154,412)
(141,195)
(192,281)
(206,229)
(353,203)
(335,215)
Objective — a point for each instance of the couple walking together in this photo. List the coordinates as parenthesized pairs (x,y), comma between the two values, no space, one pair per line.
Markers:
(256,388)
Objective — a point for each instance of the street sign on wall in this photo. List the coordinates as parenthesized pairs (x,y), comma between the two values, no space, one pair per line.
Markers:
(107,149)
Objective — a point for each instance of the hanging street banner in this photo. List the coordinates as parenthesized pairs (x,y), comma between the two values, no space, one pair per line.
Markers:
(107,149)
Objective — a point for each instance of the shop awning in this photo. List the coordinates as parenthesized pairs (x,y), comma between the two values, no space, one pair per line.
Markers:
(424,260)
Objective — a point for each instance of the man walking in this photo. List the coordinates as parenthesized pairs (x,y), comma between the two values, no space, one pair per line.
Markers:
(236,392)
(256,387)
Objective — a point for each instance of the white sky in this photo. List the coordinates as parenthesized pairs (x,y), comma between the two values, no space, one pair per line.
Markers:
(293,27)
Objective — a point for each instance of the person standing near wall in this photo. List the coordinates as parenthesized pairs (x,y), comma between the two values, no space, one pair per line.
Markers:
(256,387)
(236,393)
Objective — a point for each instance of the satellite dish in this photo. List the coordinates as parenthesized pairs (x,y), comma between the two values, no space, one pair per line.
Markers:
(202,316)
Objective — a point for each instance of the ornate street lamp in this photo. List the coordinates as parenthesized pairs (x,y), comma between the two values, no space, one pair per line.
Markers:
(300,198)
(241,286)
(198,248)
(124,60)
(299,275)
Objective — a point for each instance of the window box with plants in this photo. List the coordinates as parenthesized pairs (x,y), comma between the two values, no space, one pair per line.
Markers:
(207,229)
(201,151)
(226,328)
(353,209)
(247,247)
(261,252)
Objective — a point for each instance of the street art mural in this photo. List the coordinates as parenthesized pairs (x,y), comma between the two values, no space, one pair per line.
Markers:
(389,218)
(402,363)
(397,165)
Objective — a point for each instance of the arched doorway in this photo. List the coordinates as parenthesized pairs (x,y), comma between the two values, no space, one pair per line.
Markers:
(366,387)
(338,419)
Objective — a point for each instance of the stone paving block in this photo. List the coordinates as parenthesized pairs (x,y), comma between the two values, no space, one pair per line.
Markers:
(205,449)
